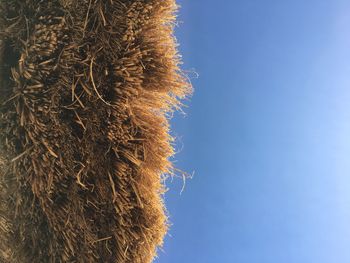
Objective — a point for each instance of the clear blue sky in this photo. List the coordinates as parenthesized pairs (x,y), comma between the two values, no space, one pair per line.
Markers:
(267,134)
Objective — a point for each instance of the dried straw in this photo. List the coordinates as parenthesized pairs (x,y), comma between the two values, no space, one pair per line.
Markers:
(86,86)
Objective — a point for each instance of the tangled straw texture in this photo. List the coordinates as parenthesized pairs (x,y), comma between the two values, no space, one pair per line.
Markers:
(86,88)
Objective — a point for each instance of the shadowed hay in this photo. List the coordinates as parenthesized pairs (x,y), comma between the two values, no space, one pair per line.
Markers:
(85,89)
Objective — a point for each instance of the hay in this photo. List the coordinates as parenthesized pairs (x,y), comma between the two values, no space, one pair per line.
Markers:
(86,86)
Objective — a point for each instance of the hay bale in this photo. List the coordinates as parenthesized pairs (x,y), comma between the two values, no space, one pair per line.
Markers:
(86,86)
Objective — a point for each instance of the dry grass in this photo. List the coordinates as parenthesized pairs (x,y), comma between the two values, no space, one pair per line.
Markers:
(86,86)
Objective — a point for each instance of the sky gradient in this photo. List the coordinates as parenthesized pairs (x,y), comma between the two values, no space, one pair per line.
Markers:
(266,134)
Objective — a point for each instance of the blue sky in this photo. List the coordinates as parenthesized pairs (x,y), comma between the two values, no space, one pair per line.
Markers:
(267,134)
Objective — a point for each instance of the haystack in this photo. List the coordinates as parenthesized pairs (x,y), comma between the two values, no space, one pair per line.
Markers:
(85,90)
